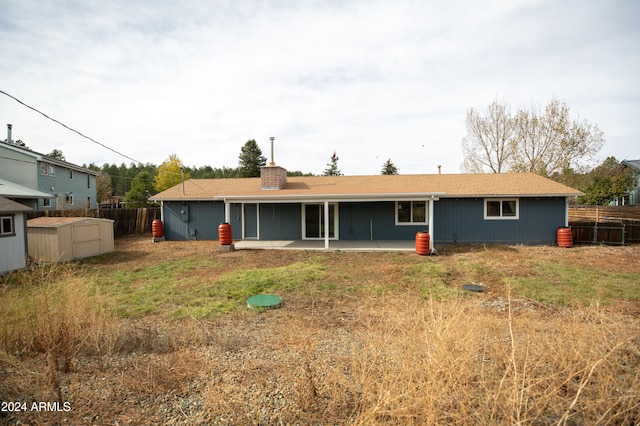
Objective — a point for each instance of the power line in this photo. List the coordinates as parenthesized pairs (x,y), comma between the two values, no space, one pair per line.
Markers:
(69,128)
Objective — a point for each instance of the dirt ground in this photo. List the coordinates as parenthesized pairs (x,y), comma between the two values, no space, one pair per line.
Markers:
(247,368)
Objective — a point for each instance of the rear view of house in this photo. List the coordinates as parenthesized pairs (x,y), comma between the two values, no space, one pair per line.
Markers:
(458,208)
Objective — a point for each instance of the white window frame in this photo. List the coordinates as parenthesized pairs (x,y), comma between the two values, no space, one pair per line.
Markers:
(502,217)
(411,221)
(12,224)
(336,216)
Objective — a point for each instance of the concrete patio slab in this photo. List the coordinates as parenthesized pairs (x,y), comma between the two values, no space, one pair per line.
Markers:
(360,245)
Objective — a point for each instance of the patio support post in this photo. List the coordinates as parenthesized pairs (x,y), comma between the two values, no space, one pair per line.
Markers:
(227,211)
(326,225)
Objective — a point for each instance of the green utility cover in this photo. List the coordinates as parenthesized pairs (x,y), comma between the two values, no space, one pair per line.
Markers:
(264,301)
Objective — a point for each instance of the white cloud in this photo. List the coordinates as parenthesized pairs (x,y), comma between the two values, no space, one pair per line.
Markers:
(372,80)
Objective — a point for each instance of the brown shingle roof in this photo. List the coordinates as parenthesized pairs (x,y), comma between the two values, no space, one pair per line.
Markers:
(376,186)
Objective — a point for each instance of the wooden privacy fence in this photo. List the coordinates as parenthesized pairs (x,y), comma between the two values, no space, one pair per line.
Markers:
(605,225)
(125,221)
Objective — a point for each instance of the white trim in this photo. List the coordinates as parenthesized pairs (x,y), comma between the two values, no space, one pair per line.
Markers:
(411,222)
(501,217)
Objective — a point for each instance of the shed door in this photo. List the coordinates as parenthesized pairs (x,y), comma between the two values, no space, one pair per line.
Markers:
(86,240)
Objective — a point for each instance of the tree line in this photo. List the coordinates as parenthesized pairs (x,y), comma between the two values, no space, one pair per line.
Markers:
(545,141)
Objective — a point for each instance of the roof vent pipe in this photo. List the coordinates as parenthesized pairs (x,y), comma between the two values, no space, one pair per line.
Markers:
(272,163)
(9,133)
(439,169)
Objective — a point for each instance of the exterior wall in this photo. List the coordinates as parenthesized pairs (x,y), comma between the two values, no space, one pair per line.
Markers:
(455,221)
(18,167)
(12,248)
(81,185)
(281,221)
(374,220)
(462,221)
(50,244)
(194,220)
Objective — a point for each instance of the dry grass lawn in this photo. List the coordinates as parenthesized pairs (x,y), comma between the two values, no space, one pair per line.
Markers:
(160,334)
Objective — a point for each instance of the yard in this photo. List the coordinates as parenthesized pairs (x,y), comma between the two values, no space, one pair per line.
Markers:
(160,333)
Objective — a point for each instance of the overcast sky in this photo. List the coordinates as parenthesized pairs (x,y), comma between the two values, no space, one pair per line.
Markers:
(371,79)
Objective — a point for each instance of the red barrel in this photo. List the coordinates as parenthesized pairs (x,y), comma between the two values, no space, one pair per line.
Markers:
(157,228)
(565,239)
(422,243)
(224,234)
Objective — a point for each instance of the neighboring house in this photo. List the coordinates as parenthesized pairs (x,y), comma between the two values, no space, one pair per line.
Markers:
(21,194)
(634,194)
(69,186)
(474,208)
(13,235)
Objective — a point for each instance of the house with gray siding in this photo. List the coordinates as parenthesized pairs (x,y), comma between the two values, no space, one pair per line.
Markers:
(511,208)
(69,186)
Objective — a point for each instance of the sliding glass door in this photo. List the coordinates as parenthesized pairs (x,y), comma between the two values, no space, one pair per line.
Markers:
(313,221)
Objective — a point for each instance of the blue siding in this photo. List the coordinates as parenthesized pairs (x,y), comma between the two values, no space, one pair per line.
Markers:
(462,221)
(81,185)
(281,221)
(366,221)
(455,221)
(193,220)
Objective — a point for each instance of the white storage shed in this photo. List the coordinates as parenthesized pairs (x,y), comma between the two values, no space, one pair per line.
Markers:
(61,239)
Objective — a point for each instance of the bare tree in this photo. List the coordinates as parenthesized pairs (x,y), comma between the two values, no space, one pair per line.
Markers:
(487,147)
(544,142)
(550,142)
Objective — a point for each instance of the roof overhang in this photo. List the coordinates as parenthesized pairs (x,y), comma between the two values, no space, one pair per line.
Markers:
(297,198)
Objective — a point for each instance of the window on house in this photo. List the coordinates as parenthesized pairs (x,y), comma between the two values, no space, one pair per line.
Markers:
(70,174)
(68,198)
(47,169)
(6,226)
(88,202)
(89,181)
(501,208)
(411,212)
(46,202)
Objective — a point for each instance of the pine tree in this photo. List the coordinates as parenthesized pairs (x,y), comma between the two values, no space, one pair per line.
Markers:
(332,167)
(388,168)
(250,160)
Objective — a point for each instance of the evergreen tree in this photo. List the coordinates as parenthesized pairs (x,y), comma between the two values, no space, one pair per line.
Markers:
(141,190)
(388,168)
(332,167)
(250,160)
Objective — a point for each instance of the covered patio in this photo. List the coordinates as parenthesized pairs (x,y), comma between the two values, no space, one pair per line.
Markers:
(334,245)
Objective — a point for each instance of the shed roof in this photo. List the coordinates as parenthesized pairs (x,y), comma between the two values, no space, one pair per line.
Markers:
(10,206)
(375,186)
(55,222)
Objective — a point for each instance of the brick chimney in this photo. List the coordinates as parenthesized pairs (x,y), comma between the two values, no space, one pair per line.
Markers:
(273,177)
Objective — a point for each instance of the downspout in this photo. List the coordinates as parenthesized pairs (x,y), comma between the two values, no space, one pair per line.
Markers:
(432,250)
